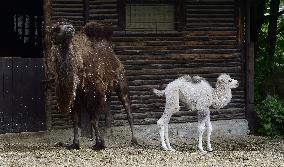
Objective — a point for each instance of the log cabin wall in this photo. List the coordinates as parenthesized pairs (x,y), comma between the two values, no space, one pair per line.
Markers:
(207,44)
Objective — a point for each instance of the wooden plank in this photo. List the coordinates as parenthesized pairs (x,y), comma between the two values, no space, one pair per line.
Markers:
(29,111)
(183,57)
(250,112)
(7,98)
(20,114)
(2,93)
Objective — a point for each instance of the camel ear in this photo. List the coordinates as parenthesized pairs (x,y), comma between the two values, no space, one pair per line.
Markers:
(220,79)
(98,30)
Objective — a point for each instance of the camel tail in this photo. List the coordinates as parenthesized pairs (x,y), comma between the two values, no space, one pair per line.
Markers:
(159,92)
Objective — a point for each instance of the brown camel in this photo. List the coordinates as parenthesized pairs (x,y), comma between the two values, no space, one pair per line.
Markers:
(86,70)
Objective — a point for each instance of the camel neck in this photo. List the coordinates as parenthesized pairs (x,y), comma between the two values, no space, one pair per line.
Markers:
(221,96)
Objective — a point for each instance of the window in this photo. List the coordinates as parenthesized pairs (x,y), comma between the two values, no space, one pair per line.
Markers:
(22,30)
(152,15)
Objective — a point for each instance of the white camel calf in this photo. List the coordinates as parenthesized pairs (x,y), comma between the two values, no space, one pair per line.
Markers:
(197,94)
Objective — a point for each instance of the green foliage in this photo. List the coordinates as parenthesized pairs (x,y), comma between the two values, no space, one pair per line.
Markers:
(263,68)
(279,51)
(269,109)
(271,116)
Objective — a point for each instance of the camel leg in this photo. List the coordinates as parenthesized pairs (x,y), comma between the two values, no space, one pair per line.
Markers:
(108,115)
(201,129)
(202,116)
(167,138)
(172,105)
(76,130)
(75,116)
(124,97)
(101,106)
(162,135)
(163,124)
(209,131)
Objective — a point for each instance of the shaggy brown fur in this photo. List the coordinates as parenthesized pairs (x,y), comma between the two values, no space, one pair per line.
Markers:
(86,71)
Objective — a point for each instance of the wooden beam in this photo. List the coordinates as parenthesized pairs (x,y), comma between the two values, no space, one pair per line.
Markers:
(86,11)
(180,12)
(47,11)
(250,112)
(121,6)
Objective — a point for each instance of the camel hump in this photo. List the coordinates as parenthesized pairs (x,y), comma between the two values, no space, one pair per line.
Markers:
(197,79)
(98,30)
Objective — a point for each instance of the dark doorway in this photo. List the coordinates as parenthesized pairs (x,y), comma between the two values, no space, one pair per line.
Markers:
(21,67)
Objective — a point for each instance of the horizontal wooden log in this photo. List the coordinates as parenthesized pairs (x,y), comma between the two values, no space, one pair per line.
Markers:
(112,17)
(103,11)
(148,35)
(104,6)
(71,10)
(102,2)
(210,20)
(208,28)
(209,2)
(211,33)
(211,15)
(189,56)
(201,70)
(67,2)
(214,11)
(211,6)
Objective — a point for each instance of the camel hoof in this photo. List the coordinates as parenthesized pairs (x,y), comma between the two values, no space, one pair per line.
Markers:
(134,141)
(171,149)
(74,146)
(202,152)
(209,149)
(98,147)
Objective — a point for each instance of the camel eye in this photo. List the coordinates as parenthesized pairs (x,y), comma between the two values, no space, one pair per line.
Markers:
(230,80)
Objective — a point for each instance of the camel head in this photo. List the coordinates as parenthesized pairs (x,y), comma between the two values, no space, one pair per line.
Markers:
(227,81)
(62,32)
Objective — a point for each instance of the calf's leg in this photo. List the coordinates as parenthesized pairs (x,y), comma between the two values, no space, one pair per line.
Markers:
(209,131)
(172,105)
(202,118)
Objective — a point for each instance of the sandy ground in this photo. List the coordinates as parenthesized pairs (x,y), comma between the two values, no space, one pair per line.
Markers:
(39,149)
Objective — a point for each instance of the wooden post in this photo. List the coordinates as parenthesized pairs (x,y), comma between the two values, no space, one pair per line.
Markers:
(239,20)
(47,9)
(121,5)
(180,15)
(86,11)
(250,113)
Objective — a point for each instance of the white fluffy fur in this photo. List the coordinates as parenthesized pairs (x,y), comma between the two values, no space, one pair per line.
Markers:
(197,94)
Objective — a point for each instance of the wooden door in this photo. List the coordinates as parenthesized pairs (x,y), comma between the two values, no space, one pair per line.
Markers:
(22,95)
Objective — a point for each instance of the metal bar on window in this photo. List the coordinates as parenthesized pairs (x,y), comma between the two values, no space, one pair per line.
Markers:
(32,29)
(23,28)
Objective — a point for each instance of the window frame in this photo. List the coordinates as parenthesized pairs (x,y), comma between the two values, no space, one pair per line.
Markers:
(179,13)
